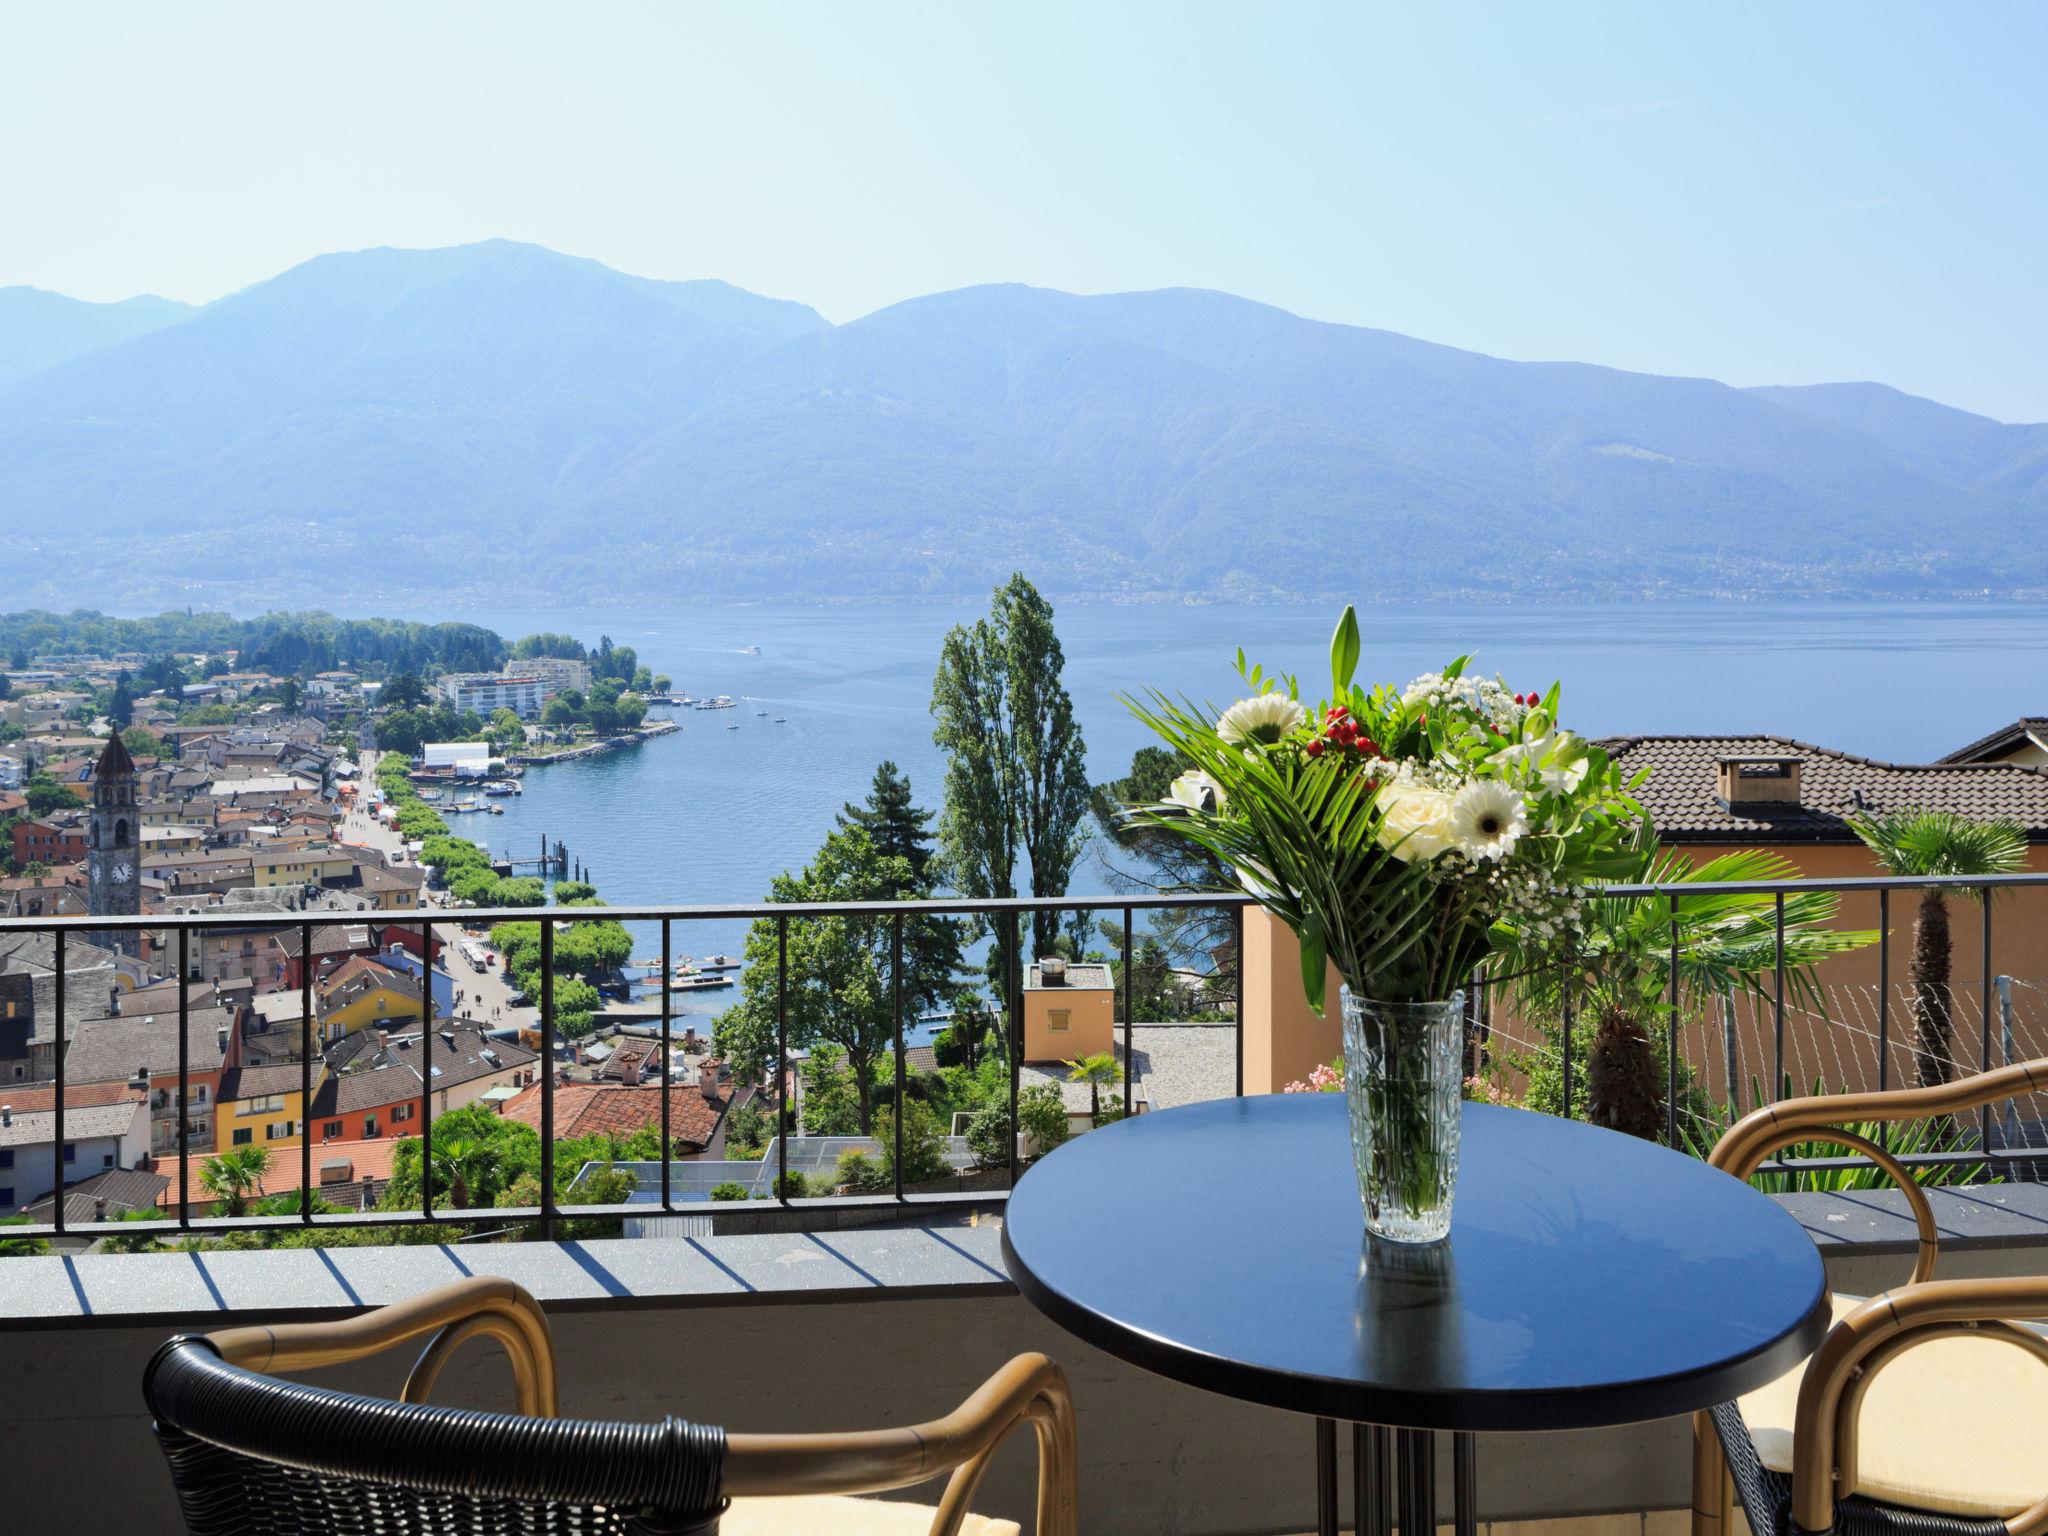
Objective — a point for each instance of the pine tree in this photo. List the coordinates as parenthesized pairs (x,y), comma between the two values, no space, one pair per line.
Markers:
(900,830)
(121,708)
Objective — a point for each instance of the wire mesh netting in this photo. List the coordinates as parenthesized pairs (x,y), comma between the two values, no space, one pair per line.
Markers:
(1739,1051)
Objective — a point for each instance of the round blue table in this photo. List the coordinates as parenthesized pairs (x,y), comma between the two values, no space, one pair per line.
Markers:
(1589,1279)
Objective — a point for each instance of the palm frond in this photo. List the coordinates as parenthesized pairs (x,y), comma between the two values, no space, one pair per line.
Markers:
(1932,844)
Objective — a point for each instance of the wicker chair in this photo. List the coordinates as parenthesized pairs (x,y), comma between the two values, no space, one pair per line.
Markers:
(252,1453)
(1917,1414)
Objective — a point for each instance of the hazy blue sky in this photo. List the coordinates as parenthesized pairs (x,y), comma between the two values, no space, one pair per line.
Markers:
(1760,193)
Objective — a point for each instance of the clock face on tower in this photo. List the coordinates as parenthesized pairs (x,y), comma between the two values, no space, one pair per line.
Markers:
(122,871)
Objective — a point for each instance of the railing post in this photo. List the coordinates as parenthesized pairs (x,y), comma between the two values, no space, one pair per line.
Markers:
(184,1078)
(1671,1040)
(785,1084)
(1013,1029)
(547,1079)
(59,942)
(666,1203)
(1731,1052)
(2009,1130)
(1778,964)
(1237,964)
(1984,1039)
(426,1070)
(306,1073)
(896,1001)
(1564,994)
(1130,995)
(1884,1006)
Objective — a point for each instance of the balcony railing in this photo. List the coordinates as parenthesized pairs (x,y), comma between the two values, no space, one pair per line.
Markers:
(1006,920)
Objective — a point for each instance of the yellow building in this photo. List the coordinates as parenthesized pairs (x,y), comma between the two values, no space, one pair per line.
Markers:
(299,866)
(1069,1011)
(263,1106)
(360,992)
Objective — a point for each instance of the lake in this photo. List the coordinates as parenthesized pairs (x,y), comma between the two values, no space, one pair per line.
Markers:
(710,814)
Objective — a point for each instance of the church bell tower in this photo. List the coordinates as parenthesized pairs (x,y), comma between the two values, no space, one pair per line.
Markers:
(113,846)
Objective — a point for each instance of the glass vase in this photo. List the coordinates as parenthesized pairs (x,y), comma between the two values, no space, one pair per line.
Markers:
(1404,1082)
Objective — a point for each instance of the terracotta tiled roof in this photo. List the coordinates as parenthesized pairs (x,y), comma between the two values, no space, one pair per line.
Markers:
(367,1160)
(24,1098)
(2003,739)
(584,1109)
(1681,792)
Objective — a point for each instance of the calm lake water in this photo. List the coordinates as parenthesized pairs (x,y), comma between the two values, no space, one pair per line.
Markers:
(710,814)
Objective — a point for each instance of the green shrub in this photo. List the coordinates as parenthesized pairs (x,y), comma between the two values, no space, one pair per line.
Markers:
(1042,1112)
(924,1143)
(988,1136)
(729,1191)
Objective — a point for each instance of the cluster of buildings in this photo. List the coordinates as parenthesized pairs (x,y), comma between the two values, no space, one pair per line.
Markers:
(241,816)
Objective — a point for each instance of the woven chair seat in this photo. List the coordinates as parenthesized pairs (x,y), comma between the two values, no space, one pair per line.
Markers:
(827,1515)
(1953,1439)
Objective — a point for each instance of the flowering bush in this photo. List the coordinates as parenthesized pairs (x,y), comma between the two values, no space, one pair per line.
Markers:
(1324,1077)
(1394,829)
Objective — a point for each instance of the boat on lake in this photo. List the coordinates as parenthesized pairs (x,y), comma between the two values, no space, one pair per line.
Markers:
(699,983)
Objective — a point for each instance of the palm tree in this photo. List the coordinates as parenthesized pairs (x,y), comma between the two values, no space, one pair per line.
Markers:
(1926,844)
(1099,1071)
(469,1166)
(232,1175)
(1619,967)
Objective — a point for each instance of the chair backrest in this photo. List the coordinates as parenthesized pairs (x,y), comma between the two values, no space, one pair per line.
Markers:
(250,1452)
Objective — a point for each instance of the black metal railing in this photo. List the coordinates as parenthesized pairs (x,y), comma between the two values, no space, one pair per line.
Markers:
(1005,919)
(1004,915)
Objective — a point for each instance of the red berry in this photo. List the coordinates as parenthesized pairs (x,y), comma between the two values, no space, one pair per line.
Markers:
(1314,749)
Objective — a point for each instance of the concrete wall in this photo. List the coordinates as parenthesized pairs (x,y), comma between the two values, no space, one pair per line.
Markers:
(1158,1459)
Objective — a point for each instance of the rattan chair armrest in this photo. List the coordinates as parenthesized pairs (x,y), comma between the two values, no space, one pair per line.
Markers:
(1831,1392)
(1029,1389)
(482,1306)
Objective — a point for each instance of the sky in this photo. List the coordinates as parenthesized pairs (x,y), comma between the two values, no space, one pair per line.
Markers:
(1760,193)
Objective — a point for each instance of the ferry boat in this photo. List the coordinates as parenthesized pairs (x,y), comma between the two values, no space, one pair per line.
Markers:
(501,787)
(699,983)
(722,701)
(750,650)
(717,963)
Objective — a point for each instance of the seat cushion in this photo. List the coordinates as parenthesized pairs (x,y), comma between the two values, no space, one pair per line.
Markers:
(1956,1426)
(831,1515)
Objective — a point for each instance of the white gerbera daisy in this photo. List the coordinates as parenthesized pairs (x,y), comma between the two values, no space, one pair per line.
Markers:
(1487,819)
(1261,720)
(1196,791)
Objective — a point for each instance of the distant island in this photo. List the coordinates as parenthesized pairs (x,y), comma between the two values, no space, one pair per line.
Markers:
(500,424)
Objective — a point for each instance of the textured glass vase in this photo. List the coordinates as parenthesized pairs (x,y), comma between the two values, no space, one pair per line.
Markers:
(1404,1082)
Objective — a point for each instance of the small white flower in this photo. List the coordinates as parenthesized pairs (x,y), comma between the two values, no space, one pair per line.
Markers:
(1487,818)
(1196,791)
(1261,720)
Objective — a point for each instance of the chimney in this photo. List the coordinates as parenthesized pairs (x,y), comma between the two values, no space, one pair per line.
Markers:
(1052,971)
(707,1077)
(1763,779)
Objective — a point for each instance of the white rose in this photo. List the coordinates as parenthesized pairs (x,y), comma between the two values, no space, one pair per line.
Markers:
(1415,822)
(1196,791)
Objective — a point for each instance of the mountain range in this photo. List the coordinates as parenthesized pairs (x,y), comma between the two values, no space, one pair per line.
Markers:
(498,418)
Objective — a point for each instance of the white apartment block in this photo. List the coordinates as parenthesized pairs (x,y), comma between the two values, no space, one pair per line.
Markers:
(522,692)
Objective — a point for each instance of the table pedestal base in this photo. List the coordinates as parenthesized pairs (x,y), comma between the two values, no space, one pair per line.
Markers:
(1394,1471)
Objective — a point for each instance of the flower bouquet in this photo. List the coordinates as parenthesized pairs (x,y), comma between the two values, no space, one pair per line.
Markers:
(1394,830)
